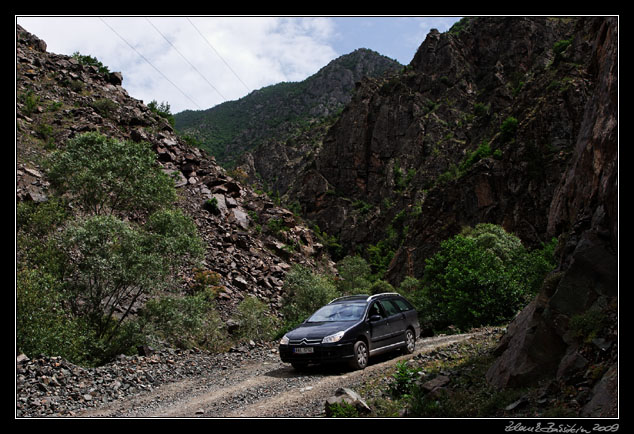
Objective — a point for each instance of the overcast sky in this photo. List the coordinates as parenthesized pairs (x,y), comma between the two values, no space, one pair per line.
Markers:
(197,62)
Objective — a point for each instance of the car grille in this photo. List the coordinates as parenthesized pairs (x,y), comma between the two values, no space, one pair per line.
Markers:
(304,341)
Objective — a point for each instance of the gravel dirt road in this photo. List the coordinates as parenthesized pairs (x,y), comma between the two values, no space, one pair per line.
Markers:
(258,388)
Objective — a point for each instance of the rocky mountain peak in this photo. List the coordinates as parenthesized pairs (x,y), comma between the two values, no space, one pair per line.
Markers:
(281,111)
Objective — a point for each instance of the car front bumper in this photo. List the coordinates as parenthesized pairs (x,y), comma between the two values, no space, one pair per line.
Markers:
(316,353)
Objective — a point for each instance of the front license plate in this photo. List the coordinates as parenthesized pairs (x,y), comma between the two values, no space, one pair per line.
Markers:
(303,350)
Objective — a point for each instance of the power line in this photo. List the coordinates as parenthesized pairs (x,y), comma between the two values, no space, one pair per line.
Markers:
(184,58)
(217,53)
(149,63)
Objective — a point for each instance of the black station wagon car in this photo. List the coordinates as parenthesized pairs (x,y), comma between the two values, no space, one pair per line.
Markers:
(352,329)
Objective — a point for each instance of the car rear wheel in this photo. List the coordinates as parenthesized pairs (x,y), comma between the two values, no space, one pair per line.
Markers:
(361,355)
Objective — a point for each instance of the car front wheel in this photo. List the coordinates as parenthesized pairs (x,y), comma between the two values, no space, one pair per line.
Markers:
(410,341)
(361,355)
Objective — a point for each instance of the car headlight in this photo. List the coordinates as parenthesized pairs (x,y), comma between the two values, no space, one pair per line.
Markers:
(332,338)
(284,340)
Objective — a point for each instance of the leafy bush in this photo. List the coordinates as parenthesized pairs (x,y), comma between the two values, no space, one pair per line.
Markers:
(381,254)
(481,109)
(205,280)
(404,379)
(184,322)
(104,175)
(480,277)
(331,242)
(34,224)
(508,129)
(586,326)
(342,409)
(276,225)
(112,263)
(42,326)
(254,319)
(91,61)
(175,239)
(381,286)
(483,151)
(354,274)
(495,239)
(559,48)
(456,171)
(304,293)
(30,102)
(163,110)
(104,106)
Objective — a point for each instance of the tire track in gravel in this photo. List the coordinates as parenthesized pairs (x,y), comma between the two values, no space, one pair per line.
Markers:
(312,398)
(257,389)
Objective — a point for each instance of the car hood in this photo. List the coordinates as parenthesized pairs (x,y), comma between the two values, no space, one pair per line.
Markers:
(315,330)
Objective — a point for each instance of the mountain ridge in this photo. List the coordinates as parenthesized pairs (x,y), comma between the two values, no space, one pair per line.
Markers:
(280,110)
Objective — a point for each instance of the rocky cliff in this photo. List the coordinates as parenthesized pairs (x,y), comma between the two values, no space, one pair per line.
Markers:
(58,98)
(479,127)
(511,121)
(570,331)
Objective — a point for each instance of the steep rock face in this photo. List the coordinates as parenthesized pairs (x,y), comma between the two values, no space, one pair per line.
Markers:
(59,98)
(541,341)
(408,142)
(554,174)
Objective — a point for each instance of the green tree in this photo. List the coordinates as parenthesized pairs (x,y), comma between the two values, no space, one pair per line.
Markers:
(304,293)
(495,239)
(380,286)
(255,320)
(480,277)
(124,244)
(355,275)
(163,110)
(112,263)
(104,175)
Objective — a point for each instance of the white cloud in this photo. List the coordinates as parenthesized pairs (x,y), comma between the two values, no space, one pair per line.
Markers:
(259,50)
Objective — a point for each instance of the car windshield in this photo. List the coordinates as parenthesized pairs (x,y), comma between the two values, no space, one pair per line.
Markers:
(339,312)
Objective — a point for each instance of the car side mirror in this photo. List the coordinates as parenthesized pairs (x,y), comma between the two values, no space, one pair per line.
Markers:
(374,318)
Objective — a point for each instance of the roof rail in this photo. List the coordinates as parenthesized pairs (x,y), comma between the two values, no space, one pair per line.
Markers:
(348,296)
(383,293)
(360,296)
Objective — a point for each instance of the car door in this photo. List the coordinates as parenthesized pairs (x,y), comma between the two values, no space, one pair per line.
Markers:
(395,319)
(380,332)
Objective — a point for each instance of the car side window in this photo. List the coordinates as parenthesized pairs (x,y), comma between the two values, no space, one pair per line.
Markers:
(375,309)
(402,304)
(390,308)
